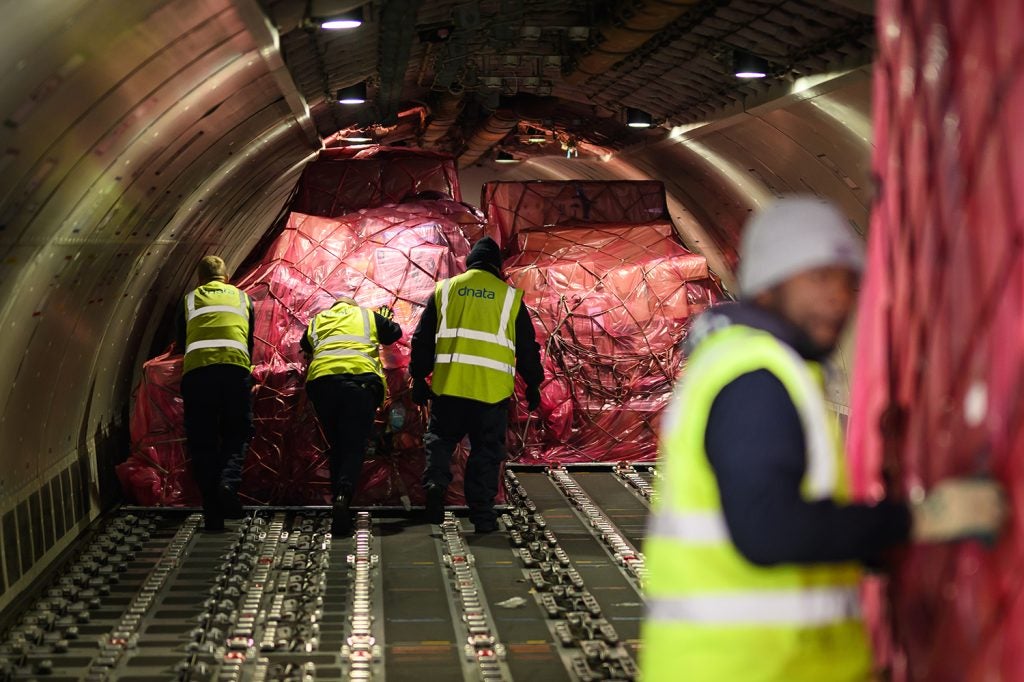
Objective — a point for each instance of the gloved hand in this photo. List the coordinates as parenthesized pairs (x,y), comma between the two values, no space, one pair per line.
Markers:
(960,508)
(386,312)
(421,392)
(532,398)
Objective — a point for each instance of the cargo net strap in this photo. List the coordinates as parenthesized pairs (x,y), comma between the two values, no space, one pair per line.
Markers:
(336,184)
(611,305)
(940,363)
(513,208)
(390,255)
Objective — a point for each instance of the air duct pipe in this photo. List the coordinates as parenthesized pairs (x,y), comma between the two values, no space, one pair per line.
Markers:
(446,112)
(624,33)
(491,132)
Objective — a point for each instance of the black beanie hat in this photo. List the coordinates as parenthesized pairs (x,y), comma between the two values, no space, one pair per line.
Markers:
(485,255)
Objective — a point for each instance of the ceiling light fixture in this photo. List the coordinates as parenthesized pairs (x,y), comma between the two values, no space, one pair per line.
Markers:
(357,138)
(505,157)
(579,34)
(346,20)
(638,118)
(530,32)
(353,94)
(747,65)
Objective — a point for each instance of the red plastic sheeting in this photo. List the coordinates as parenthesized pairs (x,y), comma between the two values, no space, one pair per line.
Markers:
(343,180)
(390,255)
(939,385)
(515,207)
(612,303)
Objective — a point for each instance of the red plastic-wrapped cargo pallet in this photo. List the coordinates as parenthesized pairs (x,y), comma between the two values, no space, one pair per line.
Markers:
(345,179)
(390,254)
(611,299)
(514,207)
(939,375)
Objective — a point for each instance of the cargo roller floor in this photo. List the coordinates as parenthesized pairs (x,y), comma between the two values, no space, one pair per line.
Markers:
(523,629)
(619,503)
(620,601)
(417,620)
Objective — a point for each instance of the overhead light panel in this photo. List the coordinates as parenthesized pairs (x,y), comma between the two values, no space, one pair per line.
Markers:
(530,32)
(638,118)
(346,20)
(505,157)
(353,94)
(746,65)
(357,138)
(579,34)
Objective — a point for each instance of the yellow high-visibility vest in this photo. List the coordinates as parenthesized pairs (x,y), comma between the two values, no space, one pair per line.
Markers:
(216,327)
(475,343)
(713,616)
(344,341)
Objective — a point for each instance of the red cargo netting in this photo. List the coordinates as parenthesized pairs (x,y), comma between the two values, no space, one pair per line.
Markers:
(343,180)
(514,207)
(611,303)
(940,364)
(389,255)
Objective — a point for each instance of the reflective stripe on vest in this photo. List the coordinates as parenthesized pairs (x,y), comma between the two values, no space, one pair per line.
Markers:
(220,343)
(698,528)
(329,350)
(216,332)
(462,358)
(320,346)
(806,606)
(242,309)
(710,611)
(475,337)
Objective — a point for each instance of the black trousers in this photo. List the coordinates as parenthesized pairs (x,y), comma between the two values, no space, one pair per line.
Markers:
(451,419)
(218,425)
(345,407)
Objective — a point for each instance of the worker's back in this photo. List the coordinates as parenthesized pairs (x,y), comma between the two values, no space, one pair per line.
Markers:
(476,337)
(344,340)
(217,326)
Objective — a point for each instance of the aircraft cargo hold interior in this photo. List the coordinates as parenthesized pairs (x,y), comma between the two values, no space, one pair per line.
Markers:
(496,275)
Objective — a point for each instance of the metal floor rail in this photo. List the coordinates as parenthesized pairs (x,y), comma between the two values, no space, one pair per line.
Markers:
(553,595)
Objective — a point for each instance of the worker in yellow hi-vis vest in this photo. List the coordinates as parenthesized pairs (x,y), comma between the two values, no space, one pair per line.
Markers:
(345,382)
(474,335)
(215,331)
(754,551)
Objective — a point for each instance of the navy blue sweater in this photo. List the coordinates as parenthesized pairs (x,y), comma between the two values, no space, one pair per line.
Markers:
(755,444)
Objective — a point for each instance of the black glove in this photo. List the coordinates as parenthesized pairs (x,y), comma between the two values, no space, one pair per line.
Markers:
(386,312)
(421,392)
(532,398)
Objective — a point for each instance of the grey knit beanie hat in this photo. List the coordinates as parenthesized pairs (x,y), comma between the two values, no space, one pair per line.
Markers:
(793,235)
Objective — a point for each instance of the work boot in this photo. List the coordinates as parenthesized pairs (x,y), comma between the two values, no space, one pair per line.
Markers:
(483,518)
(229,503)
(341,517)
(435,503)
(484,526)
